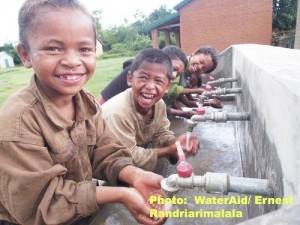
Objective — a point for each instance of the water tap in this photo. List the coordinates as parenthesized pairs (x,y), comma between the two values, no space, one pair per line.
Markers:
(222,80)
(222,91)
(218,117)
(184,170)
(207,87)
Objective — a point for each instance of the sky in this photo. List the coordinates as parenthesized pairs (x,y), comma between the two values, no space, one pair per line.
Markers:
(114,12)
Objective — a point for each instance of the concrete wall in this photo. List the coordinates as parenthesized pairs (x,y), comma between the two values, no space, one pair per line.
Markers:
(270,142)
(223,23)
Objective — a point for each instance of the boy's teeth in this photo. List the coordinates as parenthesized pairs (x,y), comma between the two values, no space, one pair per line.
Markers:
(148,96)
(74,77)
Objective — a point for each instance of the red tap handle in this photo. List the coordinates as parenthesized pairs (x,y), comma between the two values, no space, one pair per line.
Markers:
(184,169)
(180,152)
(208,87)
(211,78)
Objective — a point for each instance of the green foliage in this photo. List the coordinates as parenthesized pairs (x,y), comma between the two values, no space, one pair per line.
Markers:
(129,37)
(142,21)
(140,43)
(11,50)
(284,14)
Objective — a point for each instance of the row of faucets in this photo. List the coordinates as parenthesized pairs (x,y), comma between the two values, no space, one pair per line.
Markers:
(214,182)
(222,94)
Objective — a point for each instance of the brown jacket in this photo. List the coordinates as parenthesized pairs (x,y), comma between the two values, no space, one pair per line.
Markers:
(47,162)
(141,135)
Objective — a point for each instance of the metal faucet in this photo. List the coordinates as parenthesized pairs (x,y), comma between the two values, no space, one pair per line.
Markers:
(212,182)
(217,183)
(222,91)
(222,81)
(217,117)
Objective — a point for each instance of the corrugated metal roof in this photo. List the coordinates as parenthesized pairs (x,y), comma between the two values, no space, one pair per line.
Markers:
(162,21)
(167,18)
(181,4)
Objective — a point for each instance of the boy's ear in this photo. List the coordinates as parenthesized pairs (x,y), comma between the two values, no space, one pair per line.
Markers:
(24,55)
(129,78)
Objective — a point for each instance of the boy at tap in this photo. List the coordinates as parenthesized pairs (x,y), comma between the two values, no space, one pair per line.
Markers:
(138,115)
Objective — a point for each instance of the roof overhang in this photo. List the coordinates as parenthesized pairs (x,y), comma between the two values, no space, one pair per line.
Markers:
(169,23)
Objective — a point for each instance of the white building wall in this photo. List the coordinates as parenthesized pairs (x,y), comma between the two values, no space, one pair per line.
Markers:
(5,57)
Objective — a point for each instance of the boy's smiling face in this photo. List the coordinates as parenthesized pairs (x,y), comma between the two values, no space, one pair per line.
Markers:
(61,50)
(200,63)
(149,84)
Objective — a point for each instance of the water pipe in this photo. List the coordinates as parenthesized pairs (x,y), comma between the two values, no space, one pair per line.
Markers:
(229,97)
(217,117)
(223,80)
(217,183)
(222,91)
(212,182)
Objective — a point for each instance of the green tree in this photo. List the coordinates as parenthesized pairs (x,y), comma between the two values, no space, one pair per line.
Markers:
(128,37)
(284,14)
(143,21)
(97,15)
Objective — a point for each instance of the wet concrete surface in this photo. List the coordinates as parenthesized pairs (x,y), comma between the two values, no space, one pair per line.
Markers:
(218,152)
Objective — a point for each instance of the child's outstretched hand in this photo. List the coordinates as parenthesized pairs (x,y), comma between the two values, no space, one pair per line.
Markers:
(189,114)
(138,208)
(193,144)
(215,103)
(145,184)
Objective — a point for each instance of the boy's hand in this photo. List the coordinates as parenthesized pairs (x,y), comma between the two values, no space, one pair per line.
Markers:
(193,146)
(215,103)
(148,183)
(189,114)
(138,208)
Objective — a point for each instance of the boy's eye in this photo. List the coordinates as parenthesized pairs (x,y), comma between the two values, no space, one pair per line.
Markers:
(142,77)
(86,50)
(53,49)
(159,80)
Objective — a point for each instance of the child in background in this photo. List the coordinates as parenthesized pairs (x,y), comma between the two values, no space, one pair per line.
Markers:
(138,115)
(203,60)
(179,63)
(53,140)
(117,85)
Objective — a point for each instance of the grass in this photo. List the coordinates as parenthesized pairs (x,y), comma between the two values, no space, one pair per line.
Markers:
(14,79)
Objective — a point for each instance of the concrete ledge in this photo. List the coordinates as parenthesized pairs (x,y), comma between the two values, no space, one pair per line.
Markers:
(289,215)
(269,143)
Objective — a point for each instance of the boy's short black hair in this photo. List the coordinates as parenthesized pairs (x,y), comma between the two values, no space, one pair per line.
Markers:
(153,55)
(209,50)
(175,53)
(30,8)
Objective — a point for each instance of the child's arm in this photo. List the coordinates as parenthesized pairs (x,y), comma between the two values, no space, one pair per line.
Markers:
(198,91)
(131,198)
(185,114)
